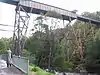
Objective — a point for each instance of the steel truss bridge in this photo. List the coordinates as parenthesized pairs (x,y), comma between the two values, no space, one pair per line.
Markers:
(29,6)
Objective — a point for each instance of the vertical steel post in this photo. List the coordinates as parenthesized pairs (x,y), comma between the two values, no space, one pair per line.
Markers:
(20,29)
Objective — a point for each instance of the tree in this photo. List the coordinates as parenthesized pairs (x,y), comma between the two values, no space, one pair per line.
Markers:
(5,43)
(2,46)
(66,46)
(89,37)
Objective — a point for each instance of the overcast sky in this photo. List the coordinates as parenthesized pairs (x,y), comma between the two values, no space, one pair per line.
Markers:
(7,12)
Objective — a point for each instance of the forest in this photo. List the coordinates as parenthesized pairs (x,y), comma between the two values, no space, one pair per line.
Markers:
(71,48)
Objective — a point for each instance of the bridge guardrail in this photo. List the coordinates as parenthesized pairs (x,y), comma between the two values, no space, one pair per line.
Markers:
(21,63)
(3,57)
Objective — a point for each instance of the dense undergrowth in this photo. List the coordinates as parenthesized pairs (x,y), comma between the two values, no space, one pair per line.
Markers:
(38,70)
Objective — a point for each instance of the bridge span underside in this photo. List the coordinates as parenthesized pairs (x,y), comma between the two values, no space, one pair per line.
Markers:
(38,8)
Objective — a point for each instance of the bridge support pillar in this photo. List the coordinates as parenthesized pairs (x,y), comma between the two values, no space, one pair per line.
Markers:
(20,30)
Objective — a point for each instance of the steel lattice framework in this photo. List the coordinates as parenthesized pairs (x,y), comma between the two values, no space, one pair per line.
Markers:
(20,30)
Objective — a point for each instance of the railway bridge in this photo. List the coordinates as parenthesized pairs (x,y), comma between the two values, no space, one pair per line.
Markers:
(22,22)
(29,6)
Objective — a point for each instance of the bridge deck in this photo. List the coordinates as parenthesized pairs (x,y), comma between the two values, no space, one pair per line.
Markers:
(13,70)
(41,7)
(44,8)
(10,71)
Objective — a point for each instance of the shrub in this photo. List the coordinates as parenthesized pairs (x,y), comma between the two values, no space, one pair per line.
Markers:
(38,70)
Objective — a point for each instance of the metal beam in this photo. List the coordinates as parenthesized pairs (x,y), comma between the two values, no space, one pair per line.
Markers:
(44,8)
(20,29)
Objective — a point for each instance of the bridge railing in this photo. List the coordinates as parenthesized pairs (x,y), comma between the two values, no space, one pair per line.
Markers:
(3,57)
(21,63)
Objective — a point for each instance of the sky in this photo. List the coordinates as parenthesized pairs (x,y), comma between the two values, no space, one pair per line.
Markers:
(7,12)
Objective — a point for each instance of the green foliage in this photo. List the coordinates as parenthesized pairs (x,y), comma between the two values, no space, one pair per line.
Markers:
(2,45)
(5,44)
(38,70)
(25,53)
(63,65)
(44,73)
(59,61)
(92,53)
(69,64)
